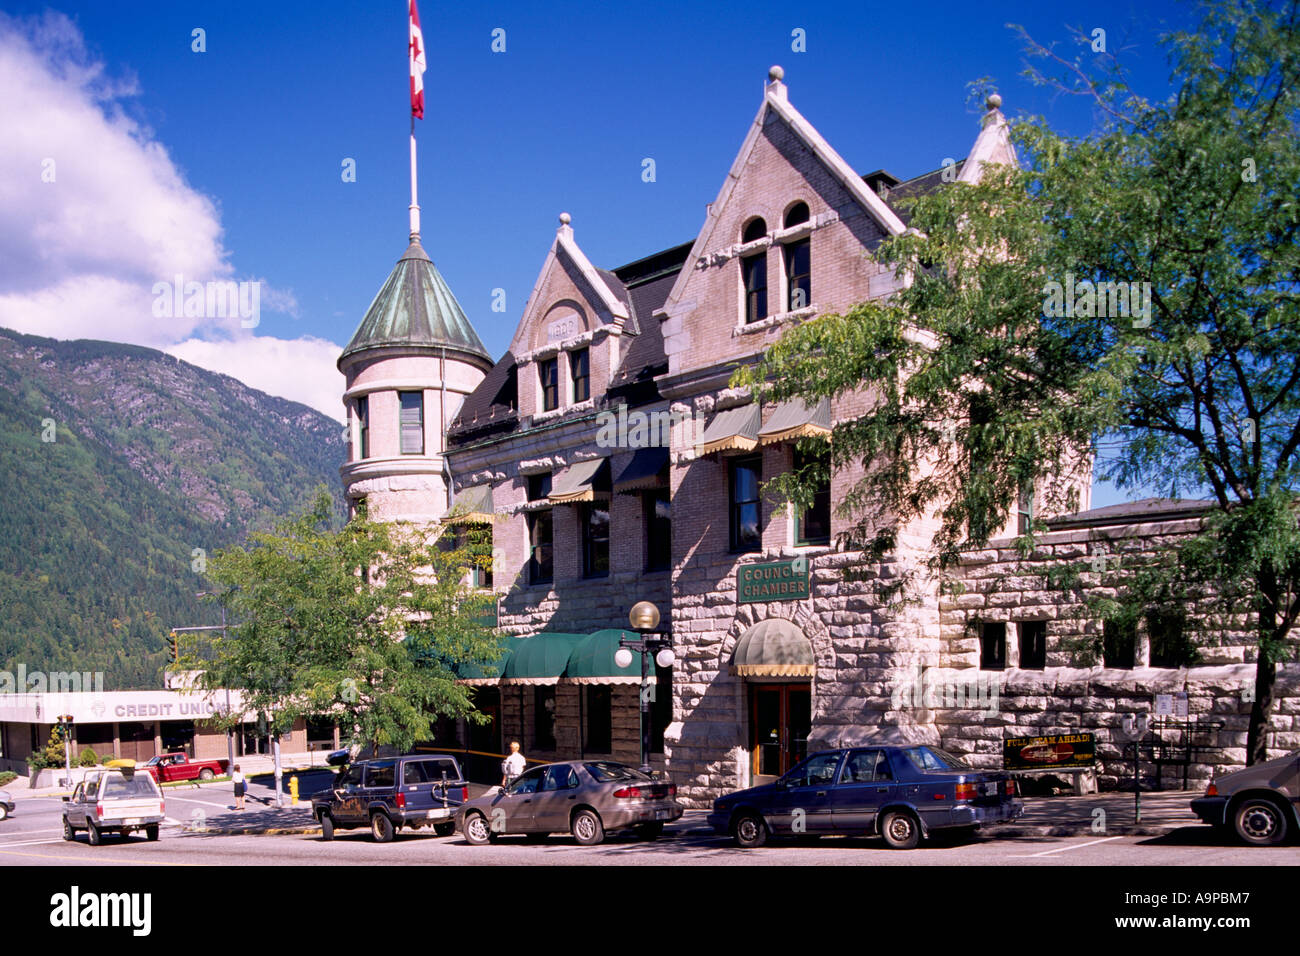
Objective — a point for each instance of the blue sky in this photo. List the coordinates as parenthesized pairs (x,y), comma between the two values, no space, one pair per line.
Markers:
(261,123)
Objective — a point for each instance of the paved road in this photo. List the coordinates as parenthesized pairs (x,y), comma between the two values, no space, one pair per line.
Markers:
(34,837)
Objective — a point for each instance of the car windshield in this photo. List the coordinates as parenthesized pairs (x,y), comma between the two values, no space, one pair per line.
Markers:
(606,772)
(152,761)
(139,785)
(932,758)
(351,777)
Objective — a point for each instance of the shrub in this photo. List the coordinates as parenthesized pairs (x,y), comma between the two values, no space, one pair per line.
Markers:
(88,758)
(7,777)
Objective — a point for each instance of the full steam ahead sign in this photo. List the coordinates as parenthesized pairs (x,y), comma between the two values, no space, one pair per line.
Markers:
(773,581)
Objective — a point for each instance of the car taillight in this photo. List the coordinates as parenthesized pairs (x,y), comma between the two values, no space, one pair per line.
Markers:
(464,794)
(1211,791)
(1011,787)
(162,806)
(401,801)
(672,790)
(99,811)
(967,791)
(628,793)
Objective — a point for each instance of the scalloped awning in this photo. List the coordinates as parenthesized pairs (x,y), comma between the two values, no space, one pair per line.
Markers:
(773,648)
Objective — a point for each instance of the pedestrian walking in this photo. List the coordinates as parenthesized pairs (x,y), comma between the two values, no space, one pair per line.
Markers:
(513,765)
(241,786)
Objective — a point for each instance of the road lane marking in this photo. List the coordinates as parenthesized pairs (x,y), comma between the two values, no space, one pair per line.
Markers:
(206,803)
(87,860)
(1062,849)
(27,833)
(32,843)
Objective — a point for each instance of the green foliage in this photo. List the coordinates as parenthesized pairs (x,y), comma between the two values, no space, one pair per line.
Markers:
(88,757)
(367,623)
(7,777)
(51,755)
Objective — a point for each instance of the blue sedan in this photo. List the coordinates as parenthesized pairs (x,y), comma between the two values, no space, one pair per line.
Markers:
(902,793)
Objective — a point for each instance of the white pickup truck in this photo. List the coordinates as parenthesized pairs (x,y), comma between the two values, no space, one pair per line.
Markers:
(121,801)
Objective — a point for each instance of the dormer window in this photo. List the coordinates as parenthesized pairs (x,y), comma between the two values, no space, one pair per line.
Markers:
(754,273)
(798,262)
(548,370)
(580,374)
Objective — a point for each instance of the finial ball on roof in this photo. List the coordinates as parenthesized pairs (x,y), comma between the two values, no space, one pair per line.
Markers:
(993,101)
(776,74)
(565,219)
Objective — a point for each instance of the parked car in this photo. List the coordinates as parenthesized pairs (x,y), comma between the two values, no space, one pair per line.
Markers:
(1259,803)
(171,767)
(108,801)
(387,794)
(587,798)
(6,804)
(902,793)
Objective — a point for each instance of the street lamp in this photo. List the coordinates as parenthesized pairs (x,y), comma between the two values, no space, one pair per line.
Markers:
(644,618)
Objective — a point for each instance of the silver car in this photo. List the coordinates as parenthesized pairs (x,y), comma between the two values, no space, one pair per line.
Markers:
(114,801)
(587,798)
(1259,802)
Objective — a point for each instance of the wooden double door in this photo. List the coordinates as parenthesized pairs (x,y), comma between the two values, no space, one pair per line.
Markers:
(780,720)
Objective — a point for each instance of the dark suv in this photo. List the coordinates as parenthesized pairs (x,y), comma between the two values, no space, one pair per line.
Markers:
(388,793)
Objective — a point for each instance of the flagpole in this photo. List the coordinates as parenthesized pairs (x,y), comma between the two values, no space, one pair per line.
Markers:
(415,205)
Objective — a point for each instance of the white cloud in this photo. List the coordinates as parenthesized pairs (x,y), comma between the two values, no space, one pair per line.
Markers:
(299,369)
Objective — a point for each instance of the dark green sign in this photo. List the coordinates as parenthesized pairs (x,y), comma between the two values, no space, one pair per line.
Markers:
(1048,753)
(774,581)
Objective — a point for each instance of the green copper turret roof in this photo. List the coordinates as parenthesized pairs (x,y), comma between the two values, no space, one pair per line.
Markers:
(416,308)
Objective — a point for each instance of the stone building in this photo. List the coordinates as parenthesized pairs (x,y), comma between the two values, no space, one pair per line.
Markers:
(615,464)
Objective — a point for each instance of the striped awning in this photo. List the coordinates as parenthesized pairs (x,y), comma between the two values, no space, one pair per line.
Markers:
(592,661)
(647,469)
(773,648)
(733,429)
(473,505)
(581,481)
(540,659)
(795,419)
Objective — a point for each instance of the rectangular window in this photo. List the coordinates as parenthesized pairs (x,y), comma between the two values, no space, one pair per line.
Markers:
(745,474)
(412,422)
(539,486)
(1033,644)
(993,646)
(541,568)
(548,370)
(798,275)
(1025,510)
(658,511)
(755,276)
(1168,646)
(600,718)
(595,540)
(363,425)
(813,526)
(661,710)
(580,372)
(477,542)
(543,718)
(1119,645)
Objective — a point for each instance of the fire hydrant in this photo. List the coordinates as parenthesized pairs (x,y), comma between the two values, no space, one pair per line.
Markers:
(293,791)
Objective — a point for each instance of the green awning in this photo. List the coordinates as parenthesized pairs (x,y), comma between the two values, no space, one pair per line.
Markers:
(540,659)
(488,674)
(796,419)
(773,648)
(647,469)
(592,661)
(581,481)
(473,505)
(735,429)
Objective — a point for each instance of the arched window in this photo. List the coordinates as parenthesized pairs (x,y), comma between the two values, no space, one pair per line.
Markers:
(798,262)
(754,273)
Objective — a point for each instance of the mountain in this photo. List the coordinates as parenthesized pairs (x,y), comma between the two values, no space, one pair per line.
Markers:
(117,462)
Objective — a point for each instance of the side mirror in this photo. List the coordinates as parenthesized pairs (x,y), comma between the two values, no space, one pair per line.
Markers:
(66,799)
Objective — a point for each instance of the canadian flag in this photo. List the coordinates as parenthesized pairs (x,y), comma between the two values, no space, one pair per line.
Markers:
(417,64)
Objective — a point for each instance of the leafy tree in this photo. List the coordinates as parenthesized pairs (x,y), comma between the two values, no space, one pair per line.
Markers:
(984,383)
(366,623)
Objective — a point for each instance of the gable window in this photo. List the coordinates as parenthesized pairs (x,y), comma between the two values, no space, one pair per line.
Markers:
(1119,645)
(595,540)
(600,718)
(658,511)
(580,373)
(363,423)
(548,371)
(993,646)
(1033,644)
(813,525)
(754,274)
(412,422)
(745,475)
(798,262)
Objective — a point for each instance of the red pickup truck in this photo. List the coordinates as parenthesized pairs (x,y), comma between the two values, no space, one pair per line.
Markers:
(166,768)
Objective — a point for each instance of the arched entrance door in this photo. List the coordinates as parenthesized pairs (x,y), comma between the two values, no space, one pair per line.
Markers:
(776,661)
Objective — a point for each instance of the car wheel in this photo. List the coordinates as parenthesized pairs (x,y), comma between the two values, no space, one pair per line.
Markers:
(93,834)
(206,774)
(444,829)
(1260,822)
(649,831)
(151,832)
(900,830)
(381,828)
(4,811)
(587,828)
(749,830)
(326,826)
(477,832)
(68,832)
